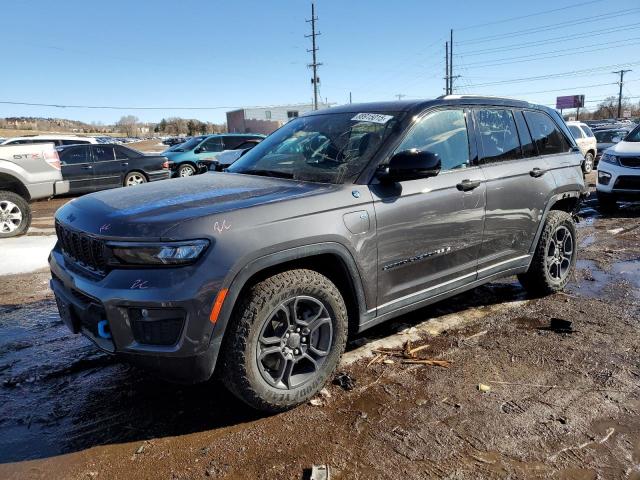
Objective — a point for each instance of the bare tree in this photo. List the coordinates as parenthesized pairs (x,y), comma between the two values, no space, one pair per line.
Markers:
(129,125)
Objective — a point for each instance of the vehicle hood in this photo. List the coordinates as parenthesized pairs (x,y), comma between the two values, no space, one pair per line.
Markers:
(625,148)
(149,210)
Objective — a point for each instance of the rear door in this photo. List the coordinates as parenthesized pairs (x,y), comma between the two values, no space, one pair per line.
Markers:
(430,230)
(77,167)
(108,168)
(210,148)
(580,138)
(518,186)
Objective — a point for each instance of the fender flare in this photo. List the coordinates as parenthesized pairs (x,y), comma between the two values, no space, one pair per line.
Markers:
(239,280)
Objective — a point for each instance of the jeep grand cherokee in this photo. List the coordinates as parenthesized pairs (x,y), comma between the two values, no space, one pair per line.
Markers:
(339,220)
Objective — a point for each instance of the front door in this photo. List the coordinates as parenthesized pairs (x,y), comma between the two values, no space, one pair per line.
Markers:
(108,169)
(77,168)
(430,230)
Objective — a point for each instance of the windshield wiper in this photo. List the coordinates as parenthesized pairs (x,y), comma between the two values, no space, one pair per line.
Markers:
(268,173)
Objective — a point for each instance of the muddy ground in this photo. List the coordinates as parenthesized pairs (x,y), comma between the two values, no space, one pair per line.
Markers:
(561,404)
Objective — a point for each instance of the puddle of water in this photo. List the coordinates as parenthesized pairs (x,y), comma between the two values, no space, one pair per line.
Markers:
(629,271)
(588,240)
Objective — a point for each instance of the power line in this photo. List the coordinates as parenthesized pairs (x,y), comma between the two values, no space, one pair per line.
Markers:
(495,22)
(527,31)
(111,107)
(562,39)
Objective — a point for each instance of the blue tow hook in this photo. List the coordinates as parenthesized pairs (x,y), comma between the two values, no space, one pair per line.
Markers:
(103,329)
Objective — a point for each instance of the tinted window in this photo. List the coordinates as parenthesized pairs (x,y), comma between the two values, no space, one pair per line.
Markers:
(124,152)
(73,142)
(103,154)
(32,141)
(575,131)
(526,142)
(498,135)
(443,132)
(231,143)
(212,145)
(73,156)
(546,135)
(244,145)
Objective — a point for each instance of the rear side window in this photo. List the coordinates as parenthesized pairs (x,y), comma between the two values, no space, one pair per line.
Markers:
(73,156)
(587,130)
(526,142)
(443,132)
(546,135)
(231,143)
(498,135)
(575,131)
(73,142)
(124,152)
(103,154)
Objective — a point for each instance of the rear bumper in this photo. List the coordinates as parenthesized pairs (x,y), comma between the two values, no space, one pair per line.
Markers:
(115,301)
(159,175)
(61,187)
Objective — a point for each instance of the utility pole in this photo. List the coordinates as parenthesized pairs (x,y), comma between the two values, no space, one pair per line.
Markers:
(451,62)
(314,65)
(349,97)
(621,72)
(400,95)
(446,68)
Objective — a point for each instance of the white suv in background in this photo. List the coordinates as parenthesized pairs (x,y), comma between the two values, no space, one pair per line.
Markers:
(57,140)
(587,143)
(619,172)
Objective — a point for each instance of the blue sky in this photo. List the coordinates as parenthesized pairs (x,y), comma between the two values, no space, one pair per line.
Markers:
(198,53)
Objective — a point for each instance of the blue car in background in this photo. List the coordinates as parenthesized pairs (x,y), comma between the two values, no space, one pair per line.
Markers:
(192,156)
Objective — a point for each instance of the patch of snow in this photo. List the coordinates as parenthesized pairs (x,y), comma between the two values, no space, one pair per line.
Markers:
(615,231)
(25,254)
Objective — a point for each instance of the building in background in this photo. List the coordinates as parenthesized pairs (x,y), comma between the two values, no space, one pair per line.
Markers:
(266,119)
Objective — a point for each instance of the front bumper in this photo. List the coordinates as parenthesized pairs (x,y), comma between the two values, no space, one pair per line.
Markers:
(620,182)
(115,300)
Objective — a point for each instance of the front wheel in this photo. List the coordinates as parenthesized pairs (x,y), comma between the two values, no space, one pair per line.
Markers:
(555,256)
(134,178)
(15,214)
(285,340)
(186,170)
(587,166)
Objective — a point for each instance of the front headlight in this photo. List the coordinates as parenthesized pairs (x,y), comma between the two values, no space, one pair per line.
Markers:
(168,253)
(609,158)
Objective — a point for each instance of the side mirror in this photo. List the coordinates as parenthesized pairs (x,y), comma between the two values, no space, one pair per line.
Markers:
(411,165)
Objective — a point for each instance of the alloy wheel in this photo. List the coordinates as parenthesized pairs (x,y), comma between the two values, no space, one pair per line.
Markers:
(560,252)
(294,342)
(10,216)
(187,171)
(135,179)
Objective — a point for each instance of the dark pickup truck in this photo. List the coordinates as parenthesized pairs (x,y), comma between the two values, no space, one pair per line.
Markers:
(89,168)
(339,220)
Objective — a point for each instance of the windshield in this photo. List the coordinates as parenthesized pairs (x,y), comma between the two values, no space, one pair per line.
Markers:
(634,136)
(188,145)
(607,136)
(330,148)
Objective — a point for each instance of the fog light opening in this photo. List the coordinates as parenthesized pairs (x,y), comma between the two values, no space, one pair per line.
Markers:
(604,178)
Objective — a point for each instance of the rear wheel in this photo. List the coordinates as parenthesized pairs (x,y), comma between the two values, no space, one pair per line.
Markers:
(15,214)
(285,340)
(555,256)
(186,170)
(134,178)
(587,166)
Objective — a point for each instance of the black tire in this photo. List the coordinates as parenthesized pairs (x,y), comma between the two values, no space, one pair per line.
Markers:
(552,265)
(134,178)
(186,170)
(587,165)
(15,214)
(607,203)
(244,362)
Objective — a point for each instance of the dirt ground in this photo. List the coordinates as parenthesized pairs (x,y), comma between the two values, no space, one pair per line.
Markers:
(562,403)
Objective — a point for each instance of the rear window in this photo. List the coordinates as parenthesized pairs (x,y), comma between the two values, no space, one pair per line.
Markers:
(575,131)
(546,134)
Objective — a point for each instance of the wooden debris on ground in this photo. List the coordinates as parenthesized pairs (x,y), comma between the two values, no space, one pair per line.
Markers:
(407,354)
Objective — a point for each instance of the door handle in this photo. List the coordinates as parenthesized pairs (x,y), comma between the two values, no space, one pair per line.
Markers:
(466,185)
(537,172)
(87,167)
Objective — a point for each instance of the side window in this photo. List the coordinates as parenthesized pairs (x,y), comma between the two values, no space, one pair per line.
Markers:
(498,135)
(443,132)
(74,156)
(212,145)
(73,142)
(575,131)
(526,142)
(231,143)
(546,135)
(123,153)
(103,154)
(587,131)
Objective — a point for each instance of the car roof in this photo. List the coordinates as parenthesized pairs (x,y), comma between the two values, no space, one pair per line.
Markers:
(415,106)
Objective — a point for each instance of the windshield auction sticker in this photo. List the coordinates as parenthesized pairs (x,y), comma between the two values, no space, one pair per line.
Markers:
(372,117)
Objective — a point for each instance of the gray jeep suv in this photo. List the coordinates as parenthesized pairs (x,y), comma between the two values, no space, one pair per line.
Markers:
(339,220)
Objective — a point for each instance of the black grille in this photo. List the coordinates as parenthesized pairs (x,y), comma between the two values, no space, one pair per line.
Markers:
(627,182)
(630,162)
(82,248)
